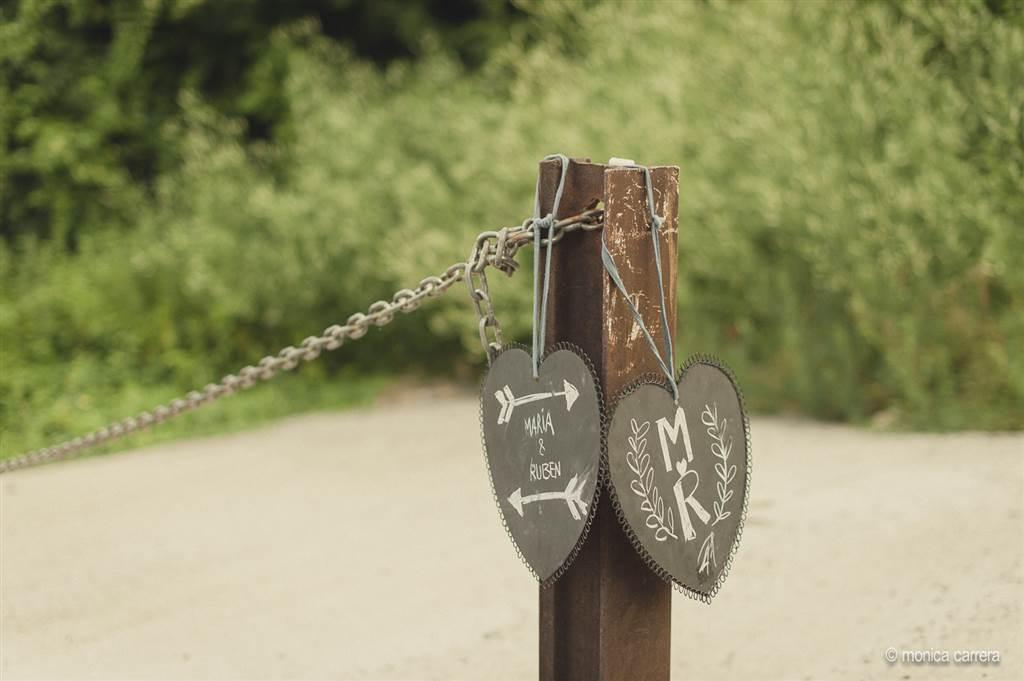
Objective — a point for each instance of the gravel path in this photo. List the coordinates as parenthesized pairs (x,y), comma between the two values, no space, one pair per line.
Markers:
(365,545)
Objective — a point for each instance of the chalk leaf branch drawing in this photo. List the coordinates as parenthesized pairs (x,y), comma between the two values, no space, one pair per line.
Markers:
(721,448)
(509,401)
(659,518)
(572,496)
(706,555)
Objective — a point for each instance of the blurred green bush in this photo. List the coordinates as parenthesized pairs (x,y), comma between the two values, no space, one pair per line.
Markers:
(89,87)
(851,208)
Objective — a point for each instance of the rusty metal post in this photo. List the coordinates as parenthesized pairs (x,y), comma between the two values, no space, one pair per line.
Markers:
(609,617)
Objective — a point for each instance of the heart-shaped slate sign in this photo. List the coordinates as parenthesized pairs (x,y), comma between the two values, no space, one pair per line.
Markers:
(542,438)
(680,473)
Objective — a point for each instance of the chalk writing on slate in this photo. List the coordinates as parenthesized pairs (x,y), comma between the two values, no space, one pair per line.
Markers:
(542,440)
(680,473)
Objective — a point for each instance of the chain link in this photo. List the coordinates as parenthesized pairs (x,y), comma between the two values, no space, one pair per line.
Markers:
(496,249)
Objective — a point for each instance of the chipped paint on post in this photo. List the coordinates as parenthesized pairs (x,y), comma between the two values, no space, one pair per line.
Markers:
(627,227)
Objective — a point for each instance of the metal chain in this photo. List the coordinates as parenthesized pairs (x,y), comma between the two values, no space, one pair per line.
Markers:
(496,249)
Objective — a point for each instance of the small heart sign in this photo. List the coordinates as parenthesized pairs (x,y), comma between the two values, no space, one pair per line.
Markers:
(680,473)
(542,440)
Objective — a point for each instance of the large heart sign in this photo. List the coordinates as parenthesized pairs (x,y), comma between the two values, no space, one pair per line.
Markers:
(680,473)
(542,438)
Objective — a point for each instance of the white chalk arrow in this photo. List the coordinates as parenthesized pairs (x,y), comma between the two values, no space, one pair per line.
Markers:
(573,496)
(508,401)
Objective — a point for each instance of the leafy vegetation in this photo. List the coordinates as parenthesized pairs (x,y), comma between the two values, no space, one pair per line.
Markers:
(90,87)
(851,196)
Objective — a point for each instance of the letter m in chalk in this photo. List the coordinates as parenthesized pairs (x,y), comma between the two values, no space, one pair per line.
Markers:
(670,433)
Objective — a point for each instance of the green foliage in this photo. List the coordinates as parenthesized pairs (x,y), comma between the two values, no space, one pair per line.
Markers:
(850,218)
(88,88)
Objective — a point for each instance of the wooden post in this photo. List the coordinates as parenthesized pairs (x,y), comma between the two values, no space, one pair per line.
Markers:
(609,617)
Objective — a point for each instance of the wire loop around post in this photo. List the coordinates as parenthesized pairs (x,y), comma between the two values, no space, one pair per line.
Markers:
(539,225)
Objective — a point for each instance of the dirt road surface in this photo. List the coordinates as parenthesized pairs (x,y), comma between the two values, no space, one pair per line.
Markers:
(365,545)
